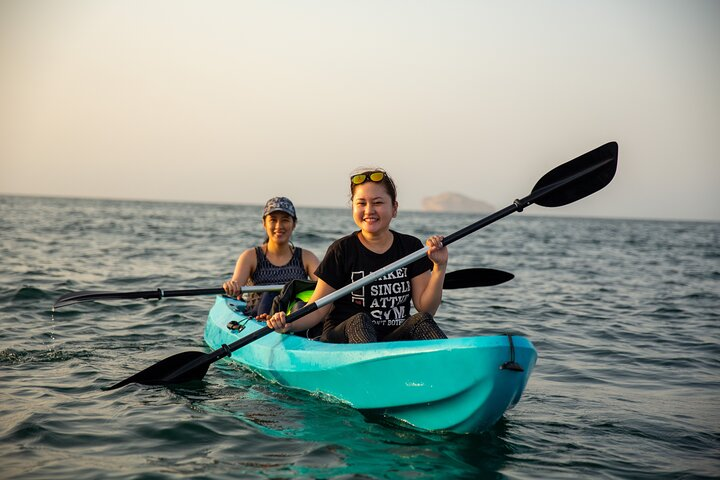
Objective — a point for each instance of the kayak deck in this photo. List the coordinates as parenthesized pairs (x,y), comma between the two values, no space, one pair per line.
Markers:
(457,384)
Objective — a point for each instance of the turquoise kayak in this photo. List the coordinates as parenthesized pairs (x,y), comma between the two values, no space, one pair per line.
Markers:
(462,385)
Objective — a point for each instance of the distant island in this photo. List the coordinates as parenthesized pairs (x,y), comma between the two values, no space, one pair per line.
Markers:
(455,202)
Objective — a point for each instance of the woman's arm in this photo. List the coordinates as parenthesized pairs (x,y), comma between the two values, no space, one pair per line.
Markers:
(311,263)
(277,321)
(244,268)
(427,287)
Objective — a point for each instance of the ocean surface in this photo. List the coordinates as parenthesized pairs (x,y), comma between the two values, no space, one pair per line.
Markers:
(625,315)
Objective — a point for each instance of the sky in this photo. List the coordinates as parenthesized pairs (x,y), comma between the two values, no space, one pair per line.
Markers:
(238,101)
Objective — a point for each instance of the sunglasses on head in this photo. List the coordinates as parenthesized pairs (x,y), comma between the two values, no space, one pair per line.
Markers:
(364,177)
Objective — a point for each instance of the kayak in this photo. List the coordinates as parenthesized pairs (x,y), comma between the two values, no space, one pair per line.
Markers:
(461,385)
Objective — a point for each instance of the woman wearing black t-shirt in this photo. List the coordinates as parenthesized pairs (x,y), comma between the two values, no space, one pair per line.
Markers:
(379,311)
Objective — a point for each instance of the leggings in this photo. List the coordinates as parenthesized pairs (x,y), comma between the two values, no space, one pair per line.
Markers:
(360,329)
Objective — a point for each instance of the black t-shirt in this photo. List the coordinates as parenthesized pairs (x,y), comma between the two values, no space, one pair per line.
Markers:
(388,299)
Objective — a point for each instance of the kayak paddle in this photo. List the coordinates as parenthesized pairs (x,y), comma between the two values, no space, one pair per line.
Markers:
(78,297)
(465,278)
(565,184)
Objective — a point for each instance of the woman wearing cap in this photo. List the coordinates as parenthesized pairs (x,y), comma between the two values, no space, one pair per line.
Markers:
(275,262)
(379,311)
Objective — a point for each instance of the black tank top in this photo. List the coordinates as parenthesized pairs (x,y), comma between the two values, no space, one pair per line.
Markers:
(268,274)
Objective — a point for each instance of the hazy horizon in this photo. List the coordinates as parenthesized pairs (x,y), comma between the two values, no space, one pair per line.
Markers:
(532,211)
(234,102)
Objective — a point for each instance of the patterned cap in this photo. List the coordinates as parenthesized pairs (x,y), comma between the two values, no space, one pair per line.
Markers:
(279,204)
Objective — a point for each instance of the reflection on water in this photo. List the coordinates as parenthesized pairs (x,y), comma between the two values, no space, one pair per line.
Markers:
(346,441)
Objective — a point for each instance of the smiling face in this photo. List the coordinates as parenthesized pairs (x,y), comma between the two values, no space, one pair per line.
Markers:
(279,227)
(373,208)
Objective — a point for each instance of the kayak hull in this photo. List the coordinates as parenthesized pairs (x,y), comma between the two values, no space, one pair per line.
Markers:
(456,385)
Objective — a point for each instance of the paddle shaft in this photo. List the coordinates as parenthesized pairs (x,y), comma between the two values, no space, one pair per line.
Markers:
(79,297)
(187,293)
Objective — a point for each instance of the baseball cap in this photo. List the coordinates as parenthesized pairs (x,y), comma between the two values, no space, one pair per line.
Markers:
(279,204)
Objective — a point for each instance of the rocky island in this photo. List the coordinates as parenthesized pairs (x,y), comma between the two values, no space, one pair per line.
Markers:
(455,202)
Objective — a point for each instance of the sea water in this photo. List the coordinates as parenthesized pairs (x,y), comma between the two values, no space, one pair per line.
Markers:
(624,314)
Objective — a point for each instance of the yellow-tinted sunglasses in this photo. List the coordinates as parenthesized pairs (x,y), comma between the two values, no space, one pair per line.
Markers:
(364,177)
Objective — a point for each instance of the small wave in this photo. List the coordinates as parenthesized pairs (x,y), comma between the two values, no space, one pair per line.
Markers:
(311,237)
(10,356)
(700,296)
(670,312)
(27,293)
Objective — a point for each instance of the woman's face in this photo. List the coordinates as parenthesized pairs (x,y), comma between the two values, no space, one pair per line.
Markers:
(279,227)
(373,209)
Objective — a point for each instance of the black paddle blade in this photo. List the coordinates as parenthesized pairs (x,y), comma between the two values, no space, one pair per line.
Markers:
(165,371)
(577,178)
(78,297)
(475,277)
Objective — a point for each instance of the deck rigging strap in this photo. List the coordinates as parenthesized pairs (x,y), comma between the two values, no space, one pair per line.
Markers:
(511,364)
